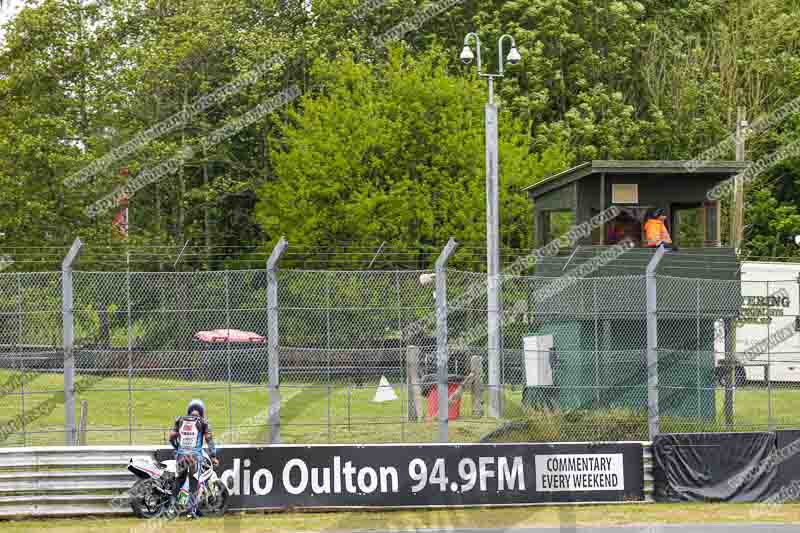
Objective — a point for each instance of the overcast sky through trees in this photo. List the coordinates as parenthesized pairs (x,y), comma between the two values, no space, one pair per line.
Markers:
(7,9)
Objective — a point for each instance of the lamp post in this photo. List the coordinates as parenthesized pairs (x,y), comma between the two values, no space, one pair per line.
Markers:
(492,213)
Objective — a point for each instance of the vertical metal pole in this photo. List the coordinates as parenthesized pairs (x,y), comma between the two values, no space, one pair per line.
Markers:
(273,341)
(328,316)
(403,412)
(441,337)
(767,377)
(403,416)
(69,358)
(228,349)
(21,359)
(730,369)
(652,345)
(68,319)
(697,348)
(130,347)
(328,346)
(493,259)
(329,412)
(596,344)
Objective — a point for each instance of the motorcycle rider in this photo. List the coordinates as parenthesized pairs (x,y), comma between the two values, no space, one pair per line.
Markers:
(187,438)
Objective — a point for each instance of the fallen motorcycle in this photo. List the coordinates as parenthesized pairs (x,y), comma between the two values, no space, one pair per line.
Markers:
(150,495)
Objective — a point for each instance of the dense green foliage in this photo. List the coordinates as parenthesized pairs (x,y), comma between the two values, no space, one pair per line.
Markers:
(385,144)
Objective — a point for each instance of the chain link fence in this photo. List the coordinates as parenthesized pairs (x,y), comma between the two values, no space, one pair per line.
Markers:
(361,356)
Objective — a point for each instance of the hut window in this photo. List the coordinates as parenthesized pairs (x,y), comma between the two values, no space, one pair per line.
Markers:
(624,193)
(558,223)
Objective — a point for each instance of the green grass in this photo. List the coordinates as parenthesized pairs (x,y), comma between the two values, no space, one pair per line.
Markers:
(155,403)
(442,519)
(751,406)
(339,413)
(310,413)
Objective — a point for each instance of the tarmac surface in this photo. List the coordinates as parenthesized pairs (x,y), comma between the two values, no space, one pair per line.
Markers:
(682,528)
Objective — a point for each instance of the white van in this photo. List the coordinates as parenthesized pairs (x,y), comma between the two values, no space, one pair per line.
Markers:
(768,329)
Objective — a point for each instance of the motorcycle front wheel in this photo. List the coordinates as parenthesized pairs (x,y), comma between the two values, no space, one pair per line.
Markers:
(146,500)
(217,501)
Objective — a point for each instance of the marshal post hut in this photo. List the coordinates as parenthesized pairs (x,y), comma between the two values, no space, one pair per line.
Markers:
(585,344)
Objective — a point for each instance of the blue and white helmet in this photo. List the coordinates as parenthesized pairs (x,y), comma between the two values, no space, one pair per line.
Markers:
(196,405)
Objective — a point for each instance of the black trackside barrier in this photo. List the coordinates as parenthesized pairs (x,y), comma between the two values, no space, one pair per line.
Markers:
(702,466)
(735,467)
(787,458)
(422,475)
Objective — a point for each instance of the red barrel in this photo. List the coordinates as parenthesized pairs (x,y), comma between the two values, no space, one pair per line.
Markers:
(433,402)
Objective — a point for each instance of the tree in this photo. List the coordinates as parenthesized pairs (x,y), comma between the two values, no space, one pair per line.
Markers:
(395,152)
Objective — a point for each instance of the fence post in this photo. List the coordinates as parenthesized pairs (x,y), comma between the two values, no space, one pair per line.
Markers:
(129,316)
(770,421)
(228,348)
(273,341)
(442,358)
(68,322)
(652,344)
(17,350)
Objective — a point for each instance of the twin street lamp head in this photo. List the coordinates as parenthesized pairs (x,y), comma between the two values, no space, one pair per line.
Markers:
(467,56)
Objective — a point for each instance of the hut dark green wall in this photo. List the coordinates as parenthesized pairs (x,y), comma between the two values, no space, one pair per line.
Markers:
(599,328)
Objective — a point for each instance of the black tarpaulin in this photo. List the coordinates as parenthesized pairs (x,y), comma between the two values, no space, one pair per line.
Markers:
(787,457)
(737,467)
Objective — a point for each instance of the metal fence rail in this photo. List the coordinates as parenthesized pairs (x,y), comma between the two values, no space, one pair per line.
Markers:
(62,481)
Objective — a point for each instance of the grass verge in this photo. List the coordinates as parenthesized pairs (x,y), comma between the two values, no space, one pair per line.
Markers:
(341,413)
(508,517)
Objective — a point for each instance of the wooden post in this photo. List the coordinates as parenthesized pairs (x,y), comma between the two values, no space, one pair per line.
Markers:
(737,209)
(461,389)
(415,410)
(602,207)
(476,368)
(737,223)
(82,423)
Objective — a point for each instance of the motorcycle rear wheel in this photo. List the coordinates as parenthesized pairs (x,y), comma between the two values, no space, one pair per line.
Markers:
(146,500)
(216,503)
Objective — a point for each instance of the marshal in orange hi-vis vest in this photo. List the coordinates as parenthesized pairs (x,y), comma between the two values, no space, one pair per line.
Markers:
(655,232)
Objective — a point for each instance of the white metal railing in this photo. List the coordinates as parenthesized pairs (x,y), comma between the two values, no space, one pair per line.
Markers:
(61,481)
